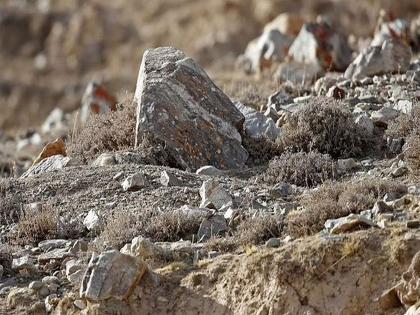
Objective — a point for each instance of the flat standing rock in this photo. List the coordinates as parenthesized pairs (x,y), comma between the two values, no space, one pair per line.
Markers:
(179,104)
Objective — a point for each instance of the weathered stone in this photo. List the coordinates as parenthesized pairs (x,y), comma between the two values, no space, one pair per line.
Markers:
(112,275)
(134,182)
(142,248)
(273,242)
(209,170)
(213,226)
(80,304)
(96,100)
(349,223)
(48,245)
(178,103)
(384,115)
(55,254)
(391,57)
(75,271)
(53,163)
(257,125)
(35,285)
(318,44)
(272,46)
(24,262)
(92,221)
(168,179)
(104,159)
(214,195)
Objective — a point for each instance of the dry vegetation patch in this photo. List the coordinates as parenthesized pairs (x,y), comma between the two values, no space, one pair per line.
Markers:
(324,126)
(105,133)
(302,169)
(156,225)
(337,199)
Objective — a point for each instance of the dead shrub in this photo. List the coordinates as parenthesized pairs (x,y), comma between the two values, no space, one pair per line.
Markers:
(10,201)
(404,124)
(324,126)
(412,153)
(226,244)
(337,199)
(257,230)
(105,133)
(37,225)
(172,226)
(260,151)
(302,169)
(6,256)
(158,226)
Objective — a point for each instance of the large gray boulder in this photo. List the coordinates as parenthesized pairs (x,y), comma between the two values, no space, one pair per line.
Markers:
(177,103)
(111,275)
(391,57)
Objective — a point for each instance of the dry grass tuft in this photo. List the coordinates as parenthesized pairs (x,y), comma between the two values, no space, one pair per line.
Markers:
(302,169)
(37,225)
(404,124)
(337,199)
(324,127)
(158,226)
(109,133)
(6,256)
(10,202)
(255,231)
(260,151)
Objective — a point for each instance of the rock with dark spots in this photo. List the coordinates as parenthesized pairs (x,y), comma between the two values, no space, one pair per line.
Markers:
(391,57)
(111,275)
(178,103)
(318,44)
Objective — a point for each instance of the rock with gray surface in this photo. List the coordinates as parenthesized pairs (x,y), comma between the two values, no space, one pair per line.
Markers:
(257,125)
(111,275)
(178,103)
(392,56)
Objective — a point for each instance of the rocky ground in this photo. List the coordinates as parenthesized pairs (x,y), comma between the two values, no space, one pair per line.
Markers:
(269,167)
